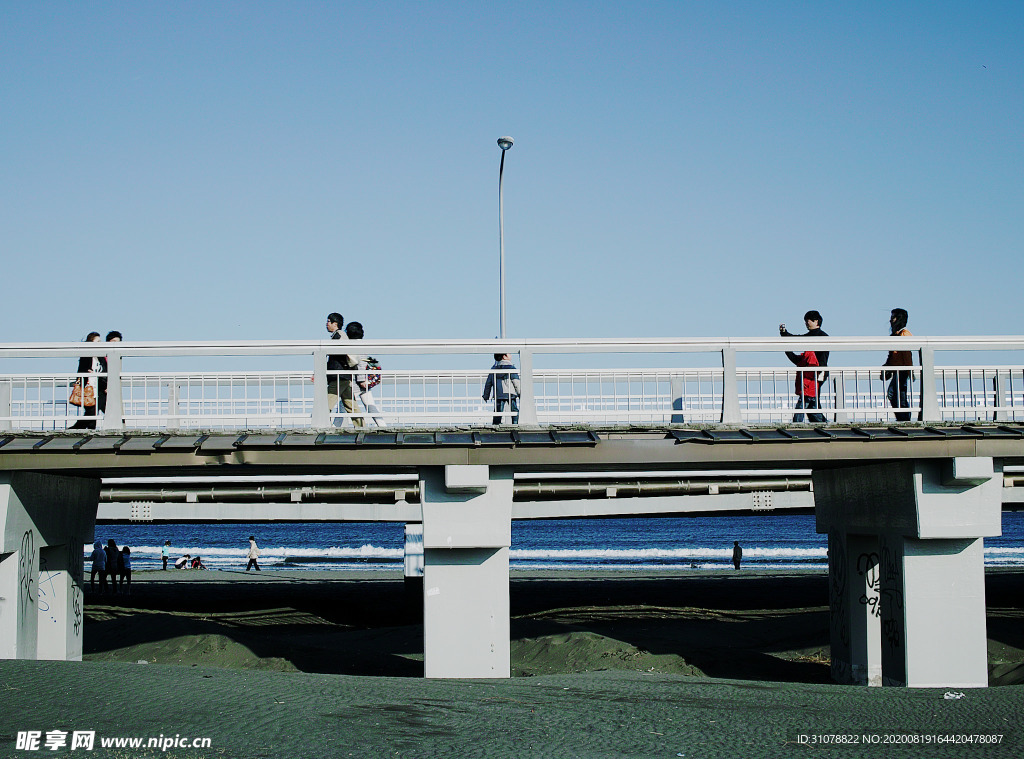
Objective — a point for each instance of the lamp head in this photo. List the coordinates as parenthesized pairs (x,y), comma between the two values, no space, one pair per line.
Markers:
(504,143)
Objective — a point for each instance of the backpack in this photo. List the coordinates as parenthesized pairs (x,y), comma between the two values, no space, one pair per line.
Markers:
(372,378)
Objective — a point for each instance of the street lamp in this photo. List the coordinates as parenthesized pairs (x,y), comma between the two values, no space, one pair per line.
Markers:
(504,143)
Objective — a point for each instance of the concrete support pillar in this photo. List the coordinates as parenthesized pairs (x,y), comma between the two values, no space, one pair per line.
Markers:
(854,612)
(44,522)
(59,601)
(933,613)
(467,532)
(19,574)
(930,518)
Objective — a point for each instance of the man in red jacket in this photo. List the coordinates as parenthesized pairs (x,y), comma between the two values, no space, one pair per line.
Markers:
(806,386)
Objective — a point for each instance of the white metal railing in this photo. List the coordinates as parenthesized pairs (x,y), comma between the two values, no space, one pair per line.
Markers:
(731,392)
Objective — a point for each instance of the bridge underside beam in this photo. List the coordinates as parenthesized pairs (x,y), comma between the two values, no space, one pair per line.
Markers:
(906,569)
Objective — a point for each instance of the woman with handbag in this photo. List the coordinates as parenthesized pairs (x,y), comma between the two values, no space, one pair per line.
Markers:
(364,380)
(84,391)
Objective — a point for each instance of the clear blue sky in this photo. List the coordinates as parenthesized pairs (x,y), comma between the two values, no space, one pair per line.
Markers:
(213,170)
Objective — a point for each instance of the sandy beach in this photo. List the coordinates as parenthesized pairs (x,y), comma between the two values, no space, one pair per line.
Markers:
(614,664)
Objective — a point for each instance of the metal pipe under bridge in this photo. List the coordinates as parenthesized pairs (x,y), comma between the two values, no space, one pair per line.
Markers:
(356,498)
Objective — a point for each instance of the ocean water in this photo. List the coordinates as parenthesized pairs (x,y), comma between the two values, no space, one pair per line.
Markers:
(769,542)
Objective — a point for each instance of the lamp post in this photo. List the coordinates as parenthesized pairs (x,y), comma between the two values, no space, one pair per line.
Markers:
(504,143)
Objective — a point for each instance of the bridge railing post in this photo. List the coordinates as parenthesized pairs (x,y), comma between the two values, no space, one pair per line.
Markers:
(677,392)
(1002,384)
(839,393)
(173,423)
(730,388)
(930,410)
(113,414)
(5,405)
(321,414)
(527,401)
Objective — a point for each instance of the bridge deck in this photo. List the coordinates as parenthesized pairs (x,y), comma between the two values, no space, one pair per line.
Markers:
(116,453)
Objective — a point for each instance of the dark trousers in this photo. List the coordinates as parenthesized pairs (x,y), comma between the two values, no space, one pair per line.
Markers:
(252,563)
(898,394)
(103,580)
(808,401)
(499,407)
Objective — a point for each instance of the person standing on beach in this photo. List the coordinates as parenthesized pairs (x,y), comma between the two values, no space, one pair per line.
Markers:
(126,570)
(99,566)
(254,553)
(113,564)
(897,394)
(737,554)
(165,552)
(812,320)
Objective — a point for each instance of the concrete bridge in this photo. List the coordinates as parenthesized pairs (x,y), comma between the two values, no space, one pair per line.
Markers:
(906,507)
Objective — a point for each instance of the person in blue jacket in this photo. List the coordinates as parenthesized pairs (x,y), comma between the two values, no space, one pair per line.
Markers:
(503,381)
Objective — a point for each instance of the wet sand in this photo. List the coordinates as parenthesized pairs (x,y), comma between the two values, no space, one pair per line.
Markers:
(296,664)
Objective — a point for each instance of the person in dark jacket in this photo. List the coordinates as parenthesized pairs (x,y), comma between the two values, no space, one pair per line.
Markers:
(89,365)
(812,320)
(113,564)
(339,386)
(899,381)
(504,382)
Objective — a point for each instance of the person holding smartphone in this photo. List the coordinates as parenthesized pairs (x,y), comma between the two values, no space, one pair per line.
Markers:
(808,384)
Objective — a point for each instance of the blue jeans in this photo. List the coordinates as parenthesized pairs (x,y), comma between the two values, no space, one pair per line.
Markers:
(499,407)
(898,396)
(808,402)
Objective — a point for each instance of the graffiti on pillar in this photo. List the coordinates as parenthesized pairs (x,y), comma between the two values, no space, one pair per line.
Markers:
(76,610)
(891,599)
(45,590)
(867,567)
(839,614)
(27,562)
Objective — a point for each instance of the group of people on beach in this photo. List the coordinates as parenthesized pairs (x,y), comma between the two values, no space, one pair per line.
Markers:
(188,561)
(113,564)
(185,561)
(808,384)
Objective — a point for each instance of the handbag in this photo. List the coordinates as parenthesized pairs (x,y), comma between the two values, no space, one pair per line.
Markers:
(84,398)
